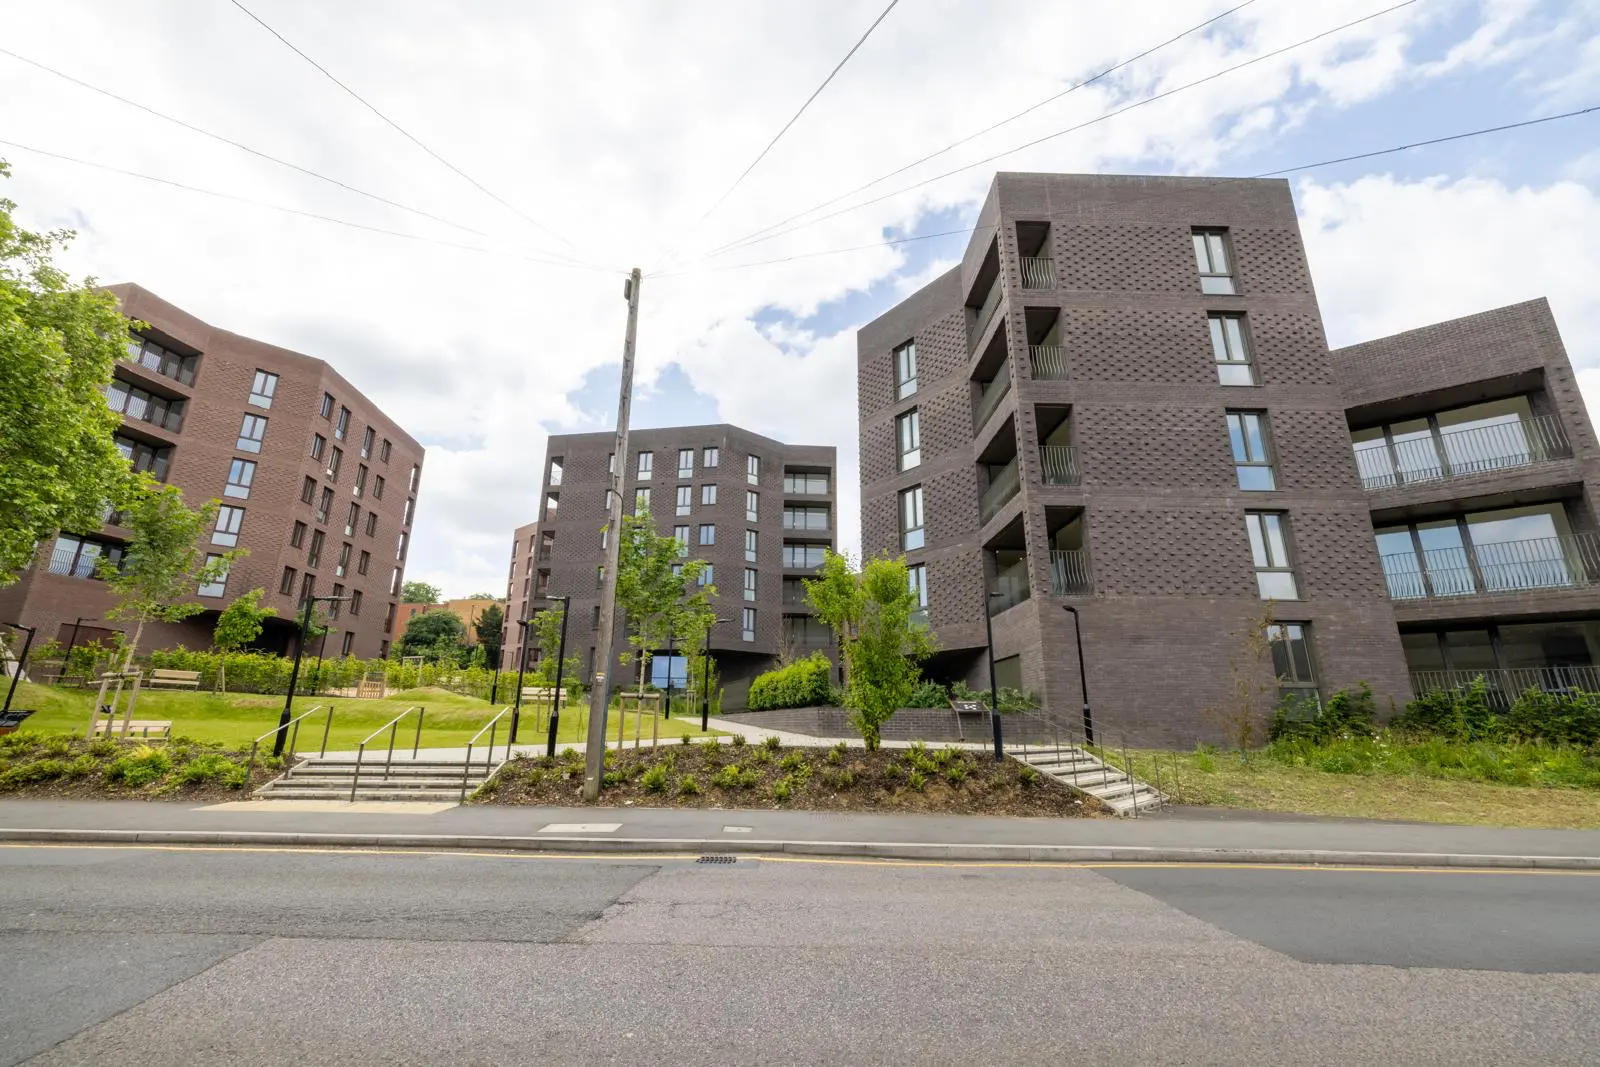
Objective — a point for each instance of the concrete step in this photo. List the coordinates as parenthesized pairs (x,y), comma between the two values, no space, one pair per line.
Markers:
(370,766)
(1116,790)
(378,782)
(1145,801)
(1040,756)
(362,794)
(1071,767)
(1088,779)
(443,770)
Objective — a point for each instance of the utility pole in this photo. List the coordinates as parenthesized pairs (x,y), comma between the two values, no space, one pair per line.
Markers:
(599,692)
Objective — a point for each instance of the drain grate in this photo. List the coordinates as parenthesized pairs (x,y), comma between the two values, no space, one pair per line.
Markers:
(717,859)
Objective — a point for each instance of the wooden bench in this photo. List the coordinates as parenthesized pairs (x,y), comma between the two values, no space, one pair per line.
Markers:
(174,679)
(148,729)
(540,696)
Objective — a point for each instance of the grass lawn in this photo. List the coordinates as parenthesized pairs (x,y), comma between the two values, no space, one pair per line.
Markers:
(236,719)
(1223,779)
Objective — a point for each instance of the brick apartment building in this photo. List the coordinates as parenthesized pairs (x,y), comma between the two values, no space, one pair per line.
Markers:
(758,511)
(1122,401)
(317,483)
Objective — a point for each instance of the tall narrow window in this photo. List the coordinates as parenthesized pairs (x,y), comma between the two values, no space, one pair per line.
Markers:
(1291,659)
(1230,351)
(342,427)
(366,445)
(1212,260)
(752,504)
(308,490)
(708,575)
(416,475)
(685,500)
(263,388)
(908,429)
(917,577)
(708,495)
(708,533)
(377,485)
(325,505)
(408,510)
(335,461)
(748,619)
(286,583)
(641,501)
(557,469)
(911,530)
(363,562)
(686,463)
(384,449)
(750,583)
(1252,462)
(319,445)
(342,568)
(1269,551)
(709,456)
(229,521)
(252,431)
(647,463)
(750,546)
(314,553)
(905,370)
(372,524)
(348,641)
(752,470)
(680,534)
(361,480)
(219,585)
(352,519)
(402,543)
(297,534)
(241,475)
(327,406)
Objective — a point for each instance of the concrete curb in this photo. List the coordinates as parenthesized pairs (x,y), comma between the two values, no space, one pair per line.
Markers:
(902,850)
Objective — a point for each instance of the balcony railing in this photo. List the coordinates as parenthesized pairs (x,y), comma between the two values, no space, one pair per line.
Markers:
(1060,463)
(1568,562)
(1038,272)
(1011,588)
(1456,453)
(985,313)
(1069,572)
(1003,485)
(1049,362)
(1503,686)
(993,392)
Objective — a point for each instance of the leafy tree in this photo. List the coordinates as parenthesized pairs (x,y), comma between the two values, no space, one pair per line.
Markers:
(419,593)
(437,634)
(657,600)
(58,342)
(165,562)
(490,627)
(482,596)
(546,633)
(237,625)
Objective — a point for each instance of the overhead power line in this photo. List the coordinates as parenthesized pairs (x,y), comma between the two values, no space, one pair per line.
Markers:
(302,213)
(1280,172)
(1069,90)
(754,240)
(404,132)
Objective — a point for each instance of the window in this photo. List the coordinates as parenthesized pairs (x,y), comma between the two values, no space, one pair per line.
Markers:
(366,446)
(335,461)
(355,602)
(905,370)
(352,520)
(1247,436)
(677,570)
(805,518)
(908,430)
(1229,350)
(752,502)
(384,449)
(911,532)
(217,586)
(363,561)
(327,405)
(1291,659)
(372,524)
(297,534)
(394,586)
(750,546)
(806,484)
(647,461)
(641,500)
(314,553)
(263,388)
(594,618)
(802,556)
(342,427)
(251,433)
(229,520)
(140,404)
(308,490)
(145,457)
(319,444)
(241,475)
(401,544)
(286,583)
(308,586)
(749,583)
(325,505)
(807,632)
(349,638)
(152,356)
(680,534)
(409,510)
(708,534)
(1211,258)
(748,632)
(708,575)
(377,486)
(685,502)
(709,456)
(917,578)
(1269,551)
(342,568)
(752,470)
(686,463)
(78,556)
(416,475)
(600,576)
(708,495)
(361,480)
(334,606)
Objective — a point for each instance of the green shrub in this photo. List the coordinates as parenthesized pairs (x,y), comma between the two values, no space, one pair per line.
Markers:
(782,789)
(771,743)
(835,755)
(104,748)
(655,779)
(688,786)
(1348,713)
(842,778)
(56,746)
(44,770)
(801,684)
(1028,777)
(611,778)
(1463,713)
(139,768)
(793,761)
(1567,718)
(729,777)
(211,768)
(956,773)
(739,741)
(917,780)
(82,767)
(928,694)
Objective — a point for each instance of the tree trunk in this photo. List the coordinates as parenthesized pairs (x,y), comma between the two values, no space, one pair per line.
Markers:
(133,646)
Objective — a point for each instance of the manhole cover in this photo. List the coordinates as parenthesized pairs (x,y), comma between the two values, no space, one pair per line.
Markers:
(717,859)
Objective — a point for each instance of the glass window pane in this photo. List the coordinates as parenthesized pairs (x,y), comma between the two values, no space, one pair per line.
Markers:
(1219,344)
(1256,479)
(1276,585)
(1217,284)
(1236,437)
(1233,326)
(1470,650)
(1422,652)
(1258,546)
(1201,259)
(1235,374)
(1218,251)
(1276,548)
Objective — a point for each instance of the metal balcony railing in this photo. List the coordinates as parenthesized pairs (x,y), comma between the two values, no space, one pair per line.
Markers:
(1003,485)
(985,313)
(1568,562)
(1456,453)
(1060,463)
(993,392)
(1038,272)
(1049,362)
(1504,685)
(1069,572)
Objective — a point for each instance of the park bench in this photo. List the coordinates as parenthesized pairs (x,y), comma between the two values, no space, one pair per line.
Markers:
(173,680)
(540,695)
(148,729)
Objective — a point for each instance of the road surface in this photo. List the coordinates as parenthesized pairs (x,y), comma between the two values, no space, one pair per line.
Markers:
(131,955)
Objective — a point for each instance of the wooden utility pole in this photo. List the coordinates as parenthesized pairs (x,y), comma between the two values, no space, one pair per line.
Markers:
(599,692)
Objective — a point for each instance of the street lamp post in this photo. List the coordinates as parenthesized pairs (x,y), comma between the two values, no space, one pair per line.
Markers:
(994,697)
(1083,674)
(705,681)
(522,662)
(669,669)
(499,661)
(561,663)
(27,643)
(66,659)
(294,672)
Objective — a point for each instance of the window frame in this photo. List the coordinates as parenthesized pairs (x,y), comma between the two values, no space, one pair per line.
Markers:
(327,406)
(747,624)
(710,456)
(1208,242)
(1240,441)
(263,387)
(752,542)
(752,470)
(685,470)
(225,531)
(240,490)
(913,519)
(904,357)
(908,425)
(752,505)
(1217,323)
(707,534)
(218,588)
(645,465)
(1268,535)
(751,577)
(683,503)
(251,444)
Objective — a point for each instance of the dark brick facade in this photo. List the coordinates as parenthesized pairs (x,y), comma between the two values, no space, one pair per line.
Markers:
(202,451)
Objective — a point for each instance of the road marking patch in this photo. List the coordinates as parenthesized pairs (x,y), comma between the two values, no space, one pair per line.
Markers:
(580,828)
(736,829)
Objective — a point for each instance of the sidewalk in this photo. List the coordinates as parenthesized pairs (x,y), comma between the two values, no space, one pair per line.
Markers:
(1174,836)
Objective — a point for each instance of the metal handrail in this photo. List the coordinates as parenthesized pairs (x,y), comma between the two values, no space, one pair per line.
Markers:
(1470,450)
(1563,562)
(1069,572)
(392,726)
(1038,272)
(1049,362)
(294,737)
(1060,464)
(492,727)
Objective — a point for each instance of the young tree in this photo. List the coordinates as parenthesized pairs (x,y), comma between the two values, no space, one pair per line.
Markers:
(165,562)
(490,628)
(58,342)
(238,624)
(546,633)
(419,593)
(656,599)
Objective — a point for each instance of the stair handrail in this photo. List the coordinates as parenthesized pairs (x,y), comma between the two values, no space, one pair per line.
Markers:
(1102,749)
(392,726)
(294,737)
(492,727)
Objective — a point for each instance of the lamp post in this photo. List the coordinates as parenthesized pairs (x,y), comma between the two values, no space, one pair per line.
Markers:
(705,680)
(669,669)
(499,660)
(66,659)
(1083,674)
(27,643)
(994,697)
(522,661)
(294,672)
(561,662)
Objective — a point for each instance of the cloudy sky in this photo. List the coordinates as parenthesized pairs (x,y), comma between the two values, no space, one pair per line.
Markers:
(612,127)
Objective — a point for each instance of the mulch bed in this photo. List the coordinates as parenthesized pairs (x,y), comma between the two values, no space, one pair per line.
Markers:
(934,781)
(41,766)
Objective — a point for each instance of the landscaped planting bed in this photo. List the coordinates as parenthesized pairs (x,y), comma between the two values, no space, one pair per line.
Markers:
(36,766)
(710,775)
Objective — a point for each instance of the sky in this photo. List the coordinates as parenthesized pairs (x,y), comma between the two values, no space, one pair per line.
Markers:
(553,146)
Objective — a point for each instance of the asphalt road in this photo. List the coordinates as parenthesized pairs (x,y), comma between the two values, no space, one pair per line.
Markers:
(129,955)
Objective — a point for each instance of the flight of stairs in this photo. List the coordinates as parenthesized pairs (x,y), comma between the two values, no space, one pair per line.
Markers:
(1083,772)
(330,778)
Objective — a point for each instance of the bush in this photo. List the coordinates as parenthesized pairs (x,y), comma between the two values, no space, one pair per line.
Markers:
(655,779)
(793,761)
(1348,713)
(139,768)
(211,768)
(44,770)
(739,741)
(729,777)
(801,684)
(782,789)
(688,786)
(1463,714)
(928,694)
(771,743)
(1569,718)
(917,780)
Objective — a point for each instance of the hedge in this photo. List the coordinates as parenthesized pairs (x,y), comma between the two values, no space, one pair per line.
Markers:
(801,684)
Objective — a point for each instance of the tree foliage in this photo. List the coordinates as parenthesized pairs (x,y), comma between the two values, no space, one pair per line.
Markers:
(165,563)
(241,621)
(481,596)
(419,593)
(58,343)
(546,633)
(490,628)
(436,634)
(658,602)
